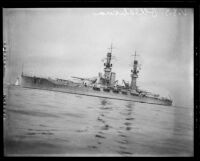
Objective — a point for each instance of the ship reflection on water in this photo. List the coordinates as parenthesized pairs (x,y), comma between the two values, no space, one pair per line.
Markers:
(40,122)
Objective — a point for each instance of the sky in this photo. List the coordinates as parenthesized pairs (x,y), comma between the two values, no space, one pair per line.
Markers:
(65,42)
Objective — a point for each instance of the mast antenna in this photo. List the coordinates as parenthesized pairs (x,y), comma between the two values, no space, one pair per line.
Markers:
(22,68)
(111,48)
(135,55)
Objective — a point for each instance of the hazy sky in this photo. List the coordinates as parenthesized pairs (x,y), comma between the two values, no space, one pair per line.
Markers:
(60,43)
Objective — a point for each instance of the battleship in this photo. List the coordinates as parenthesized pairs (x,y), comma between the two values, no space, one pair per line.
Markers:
(104,85)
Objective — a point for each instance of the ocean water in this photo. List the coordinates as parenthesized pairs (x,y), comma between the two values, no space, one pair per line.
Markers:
(47,123)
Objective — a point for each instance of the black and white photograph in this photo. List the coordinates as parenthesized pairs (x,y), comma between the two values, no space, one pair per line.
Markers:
(98,82)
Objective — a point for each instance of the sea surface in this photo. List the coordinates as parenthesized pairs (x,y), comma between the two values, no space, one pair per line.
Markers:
(47,123)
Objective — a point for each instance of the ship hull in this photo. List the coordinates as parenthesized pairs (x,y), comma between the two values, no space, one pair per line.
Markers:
(46,84)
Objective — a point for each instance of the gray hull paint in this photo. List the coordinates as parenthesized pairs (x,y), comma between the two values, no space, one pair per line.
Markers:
(46,84)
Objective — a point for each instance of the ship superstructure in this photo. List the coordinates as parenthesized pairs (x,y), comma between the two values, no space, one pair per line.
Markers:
(108,78)
(134,74)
